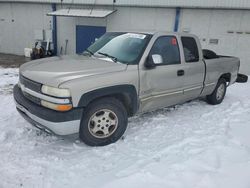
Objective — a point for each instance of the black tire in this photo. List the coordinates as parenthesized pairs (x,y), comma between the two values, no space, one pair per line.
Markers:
(42,52)
(241,78)
(116,108)
(213,99)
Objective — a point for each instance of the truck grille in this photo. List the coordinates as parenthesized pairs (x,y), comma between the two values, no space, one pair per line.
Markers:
(32,98)
(34,86)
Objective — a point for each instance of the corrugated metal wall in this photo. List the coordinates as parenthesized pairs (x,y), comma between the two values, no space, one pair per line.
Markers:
(230,28)
(18,24)
(235,4)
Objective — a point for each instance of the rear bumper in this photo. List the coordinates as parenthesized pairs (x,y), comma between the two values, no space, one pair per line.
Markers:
(59,123)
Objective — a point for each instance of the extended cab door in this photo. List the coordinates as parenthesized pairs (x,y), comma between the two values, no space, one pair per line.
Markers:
(162,85)
(194,67)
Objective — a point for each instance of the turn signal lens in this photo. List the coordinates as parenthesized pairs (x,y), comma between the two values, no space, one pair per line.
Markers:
(64,107)
(57,107)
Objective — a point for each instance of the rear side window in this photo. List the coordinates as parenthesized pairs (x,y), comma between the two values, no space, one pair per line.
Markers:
(190,48)
(167,47)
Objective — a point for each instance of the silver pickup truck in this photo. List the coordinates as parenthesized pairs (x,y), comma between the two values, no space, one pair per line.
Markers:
(120,75)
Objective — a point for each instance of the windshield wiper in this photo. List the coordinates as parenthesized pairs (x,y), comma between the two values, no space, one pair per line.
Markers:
(87,50)
(109,56)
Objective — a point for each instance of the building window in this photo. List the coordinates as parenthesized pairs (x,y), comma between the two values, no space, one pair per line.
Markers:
(214,41)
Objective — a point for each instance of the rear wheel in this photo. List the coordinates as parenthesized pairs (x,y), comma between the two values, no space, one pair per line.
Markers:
(104,122)
(219,92)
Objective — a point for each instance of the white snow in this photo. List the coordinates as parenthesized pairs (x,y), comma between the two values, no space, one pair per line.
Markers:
(194,145)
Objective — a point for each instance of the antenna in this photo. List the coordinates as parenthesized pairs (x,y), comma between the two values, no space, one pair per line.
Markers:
(114,1)
(72,2)
(61,4)
(93,7)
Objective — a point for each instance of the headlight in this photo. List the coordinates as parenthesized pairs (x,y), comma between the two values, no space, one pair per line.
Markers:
(57,92)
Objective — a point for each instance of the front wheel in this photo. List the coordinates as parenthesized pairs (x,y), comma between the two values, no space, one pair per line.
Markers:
(104,122)
(219,92)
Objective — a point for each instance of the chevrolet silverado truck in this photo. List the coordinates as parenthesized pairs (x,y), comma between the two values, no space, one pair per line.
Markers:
(120,75)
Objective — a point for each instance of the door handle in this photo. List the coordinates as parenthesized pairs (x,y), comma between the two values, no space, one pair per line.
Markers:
(180,72)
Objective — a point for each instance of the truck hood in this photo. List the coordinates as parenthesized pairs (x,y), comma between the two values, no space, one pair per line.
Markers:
(56,70)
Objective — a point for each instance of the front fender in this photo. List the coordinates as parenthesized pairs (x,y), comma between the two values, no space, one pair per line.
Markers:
(125,90)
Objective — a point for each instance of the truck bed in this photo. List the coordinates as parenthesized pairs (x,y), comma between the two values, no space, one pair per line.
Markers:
(218,66)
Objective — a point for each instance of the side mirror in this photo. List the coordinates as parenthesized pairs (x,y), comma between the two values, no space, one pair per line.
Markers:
(153,61)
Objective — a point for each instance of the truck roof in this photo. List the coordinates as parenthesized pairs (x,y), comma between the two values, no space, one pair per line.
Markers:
(160,33)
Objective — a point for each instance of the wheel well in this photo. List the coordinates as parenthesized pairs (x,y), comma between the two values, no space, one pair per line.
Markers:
(123,98)
(226,76)
(127,94)
(126,101)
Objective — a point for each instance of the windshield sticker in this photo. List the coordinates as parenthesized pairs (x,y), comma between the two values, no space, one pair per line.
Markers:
(135,35)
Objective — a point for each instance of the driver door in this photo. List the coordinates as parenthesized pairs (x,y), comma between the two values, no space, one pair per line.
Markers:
(162,85)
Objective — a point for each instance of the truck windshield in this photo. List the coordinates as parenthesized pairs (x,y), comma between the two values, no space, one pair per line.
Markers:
(126,48)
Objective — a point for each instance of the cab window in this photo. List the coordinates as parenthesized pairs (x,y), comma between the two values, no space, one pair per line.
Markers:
(167,47)
(190,48)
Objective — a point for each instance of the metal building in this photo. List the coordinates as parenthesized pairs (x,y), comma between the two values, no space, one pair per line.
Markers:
(72,25)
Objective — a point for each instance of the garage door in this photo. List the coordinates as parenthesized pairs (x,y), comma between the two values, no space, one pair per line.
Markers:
(86,35)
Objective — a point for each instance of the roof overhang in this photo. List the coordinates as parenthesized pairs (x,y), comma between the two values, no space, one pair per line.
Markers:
(89,13)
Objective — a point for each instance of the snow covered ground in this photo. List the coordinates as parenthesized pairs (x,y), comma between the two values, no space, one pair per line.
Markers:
(194,145)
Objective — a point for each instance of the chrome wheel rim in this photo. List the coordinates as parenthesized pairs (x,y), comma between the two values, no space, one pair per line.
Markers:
(103,123)
(220,92)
